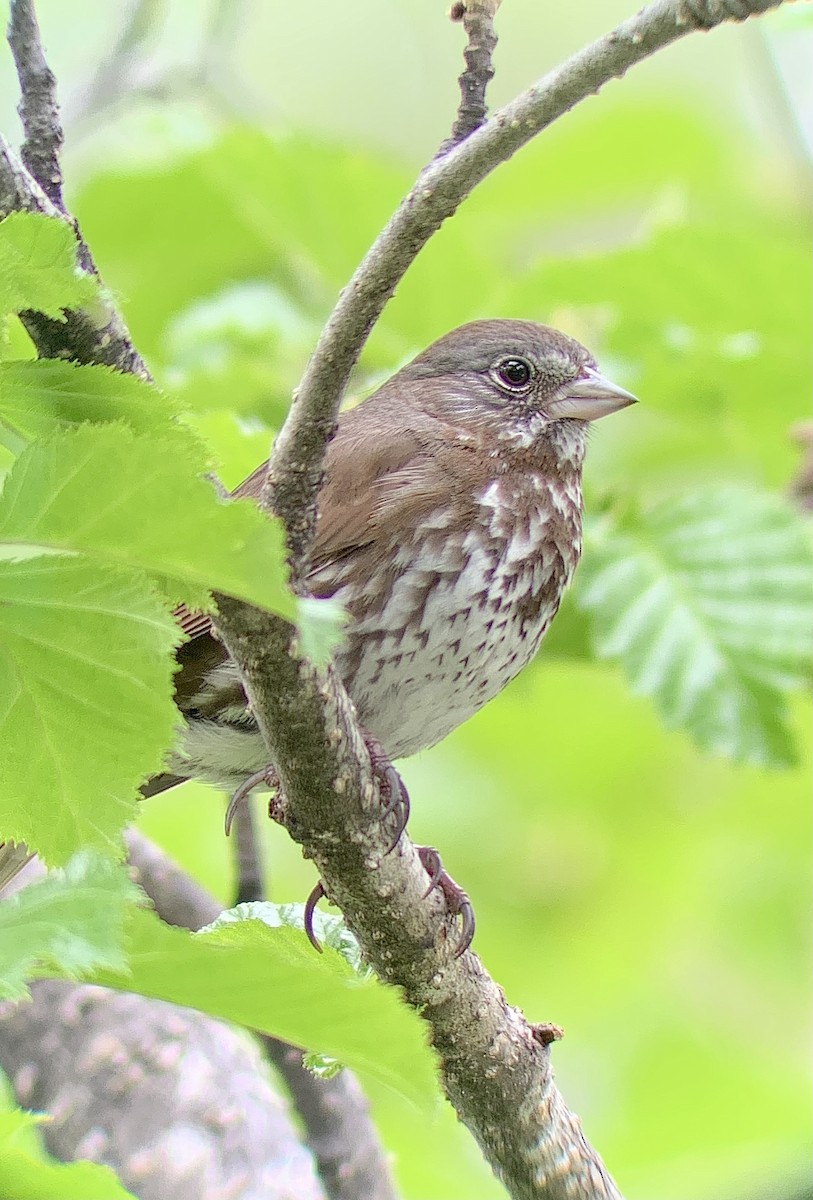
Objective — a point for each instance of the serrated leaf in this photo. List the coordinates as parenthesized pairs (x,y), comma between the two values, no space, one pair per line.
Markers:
(38,267)
(330,929)
(28,1173)
(72,922)
(129,501)
(272,980)
(39,397)
(706,600)
(85,701)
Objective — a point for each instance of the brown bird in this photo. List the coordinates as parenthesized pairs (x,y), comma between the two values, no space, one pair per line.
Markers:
(448,526)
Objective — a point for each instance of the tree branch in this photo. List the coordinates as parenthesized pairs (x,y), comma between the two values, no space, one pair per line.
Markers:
(478,22)
(38,108)
(496,1067)
(246,857)
(178,1104)
(296,468)
(96,334)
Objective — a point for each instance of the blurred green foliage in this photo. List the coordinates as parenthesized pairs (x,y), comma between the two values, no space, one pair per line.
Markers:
(648,896)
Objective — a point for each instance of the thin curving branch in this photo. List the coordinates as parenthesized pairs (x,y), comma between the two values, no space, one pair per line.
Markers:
(296,468)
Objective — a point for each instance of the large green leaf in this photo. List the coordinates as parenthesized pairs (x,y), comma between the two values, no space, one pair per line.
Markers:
(38,267)
(706,600)
(71,921)
(36,398)
(135,502)
(272,980)
(86,706)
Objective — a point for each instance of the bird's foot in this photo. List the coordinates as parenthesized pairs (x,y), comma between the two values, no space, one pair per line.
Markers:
(457,902)
(394,796)
(267,777)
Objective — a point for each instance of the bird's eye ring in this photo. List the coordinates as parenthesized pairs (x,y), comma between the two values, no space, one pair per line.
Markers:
(513,374)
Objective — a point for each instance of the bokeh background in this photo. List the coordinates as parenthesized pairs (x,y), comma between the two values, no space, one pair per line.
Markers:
(229,163)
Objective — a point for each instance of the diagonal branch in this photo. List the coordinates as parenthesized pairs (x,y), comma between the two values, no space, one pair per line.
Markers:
(495,1065)
(95,334)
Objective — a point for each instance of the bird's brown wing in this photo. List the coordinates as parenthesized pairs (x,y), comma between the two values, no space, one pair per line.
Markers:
(357,460)
(367,479)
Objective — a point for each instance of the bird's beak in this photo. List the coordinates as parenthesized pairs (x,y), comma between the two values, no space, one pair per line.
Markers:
(589,397)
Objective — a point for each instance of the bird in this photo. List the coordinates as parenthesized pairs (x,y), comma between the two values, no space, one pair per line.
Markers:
(449,524)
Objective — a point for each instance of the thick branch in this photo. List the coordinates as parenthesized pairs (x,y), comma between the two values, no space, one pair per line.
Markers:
(178,1104)
(496,1067)
(296,468)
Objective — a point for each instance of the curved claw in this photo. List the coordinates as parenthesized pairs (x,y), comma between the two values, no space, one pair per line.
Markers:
(242,793)
(433,866)
(466,914)
(457,902)
(313,899)
(398,804)
(390,782)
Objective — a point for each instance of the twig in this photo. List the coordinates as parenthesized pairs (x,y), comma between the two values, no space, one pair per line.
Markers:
(478,22)
(38,108)
(96,334)
(296,468)
(334,1112)
(246,856)
(113,73)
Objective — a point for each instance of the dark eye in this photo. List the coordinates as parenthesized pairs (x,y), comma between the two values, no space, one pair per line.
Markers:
(513,373)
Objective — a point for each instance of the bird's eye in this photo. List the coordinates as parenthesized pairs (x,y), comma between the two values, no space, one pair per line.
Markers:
(513,373)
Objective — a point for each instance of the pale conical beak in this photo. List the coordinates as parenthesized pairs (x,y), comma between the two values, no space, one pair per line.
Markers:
(589,397)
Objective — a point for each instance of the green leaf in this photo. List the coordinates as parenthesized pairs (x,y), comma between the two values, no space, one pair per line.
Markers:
(39,397)
(321,624)
(71,922)
(706,601)
(28,1173)
(38,267)
(85,701)
(272,980)
(134,502)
